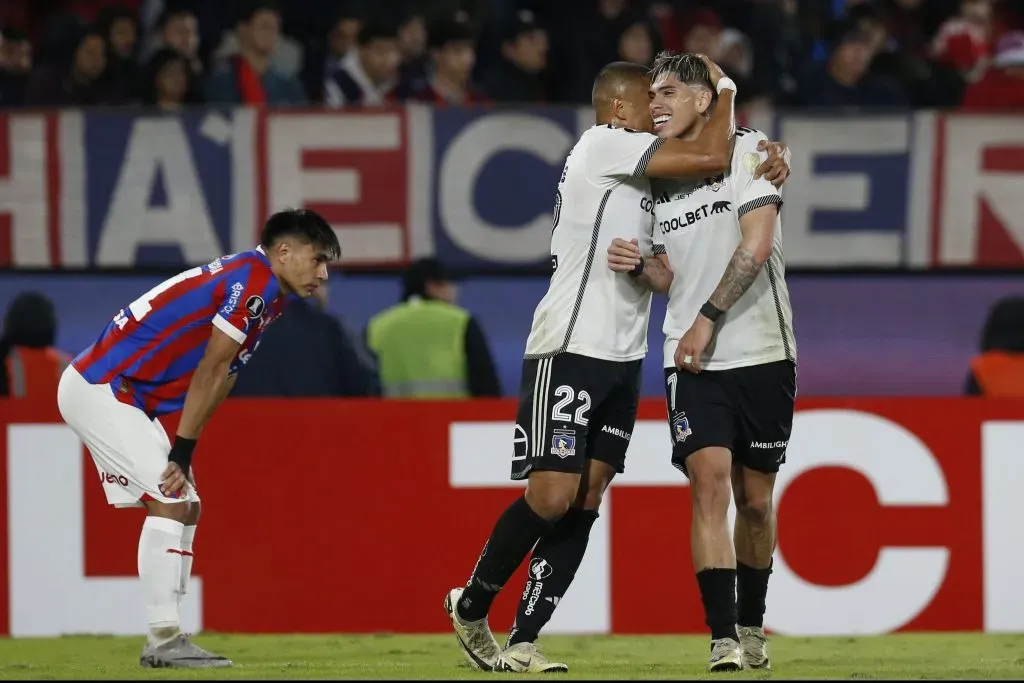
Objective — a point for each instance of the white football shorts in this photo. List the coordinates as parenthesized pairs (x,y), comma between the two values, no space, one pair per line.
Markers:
(129,449)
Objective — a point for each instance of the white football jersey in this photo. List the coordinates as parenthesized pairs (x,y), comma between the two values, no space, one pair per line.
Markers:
(698,225)
(602,194)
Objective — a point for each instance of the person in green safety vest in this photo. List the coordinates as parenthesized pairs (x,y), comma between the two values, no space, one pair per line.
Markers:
(427,346)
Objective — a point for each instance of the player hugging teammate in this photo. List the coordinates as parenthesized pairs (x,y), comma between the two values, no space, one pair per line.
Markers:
(729,357)
(581,372)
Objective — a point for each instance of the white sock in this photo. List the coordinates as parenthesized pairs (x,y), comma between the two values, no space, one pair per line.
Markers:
(160,572)
(188,537)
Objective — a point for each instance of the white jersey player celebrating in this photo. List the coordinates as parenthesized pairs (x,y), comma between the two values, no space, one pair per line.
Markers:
(581,373)
(730,357)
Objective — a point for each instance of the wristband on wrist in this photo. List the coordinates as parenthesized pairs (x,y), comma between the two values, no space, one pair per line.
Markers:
(711,312)
(638,269)
(726,84)
(181,453)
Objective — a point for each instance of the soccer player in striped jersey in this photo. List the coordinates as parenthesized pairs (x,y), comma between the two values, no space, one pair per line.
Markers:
(179,347)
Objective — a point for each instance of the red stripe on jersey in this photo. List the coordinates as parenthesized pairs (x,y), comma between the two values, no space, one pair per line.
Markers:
(160,338)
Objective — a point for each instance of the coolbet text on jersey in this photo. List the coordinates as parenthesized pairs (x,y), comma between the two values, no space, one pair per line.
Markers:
(602,194)
(697,223)
(150,350)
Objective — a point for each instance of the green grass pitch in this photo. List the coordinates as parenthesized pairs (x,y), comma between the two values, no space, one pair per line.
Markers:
(388,656)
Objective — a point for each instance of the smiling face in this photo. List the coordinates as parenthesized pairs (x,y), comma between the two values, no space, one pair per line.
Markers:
(676,106)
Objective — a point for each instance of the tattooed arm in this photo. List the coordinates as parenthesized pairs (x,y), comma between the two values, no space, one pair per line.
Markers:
(758,229)
(657,274)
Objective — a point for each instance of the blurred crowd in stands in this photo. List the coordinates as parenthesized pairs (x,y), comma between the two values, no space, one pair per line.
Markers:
(857,54)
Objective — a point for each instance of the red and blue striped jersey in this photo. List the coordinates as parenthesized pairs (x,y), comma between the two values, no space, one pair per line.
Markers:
(150,350)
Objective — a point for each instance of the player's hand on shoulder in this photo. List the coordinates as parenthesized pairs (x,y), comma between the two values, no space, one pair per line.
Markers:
(173,480)
(624,256)
(775,169)
(716,71)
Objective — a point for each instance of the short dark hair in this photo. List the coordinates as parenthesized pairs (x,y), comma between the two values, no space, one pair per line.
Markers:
(613,79)
(171,13)
(12,34)
(305,225)
(253,7)
(445,31)
(419,273)
(377,30)
(30,321)
(687,67)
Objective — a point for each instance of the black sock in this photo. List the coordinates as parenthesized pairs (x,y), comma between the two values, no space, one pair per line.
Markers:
(515,533)
(552,568)
(751,589)
(718,593)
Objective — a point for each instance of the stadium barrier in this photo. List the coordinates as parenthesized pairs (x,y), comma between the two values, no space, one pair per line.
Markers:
(357,516)
(105,188)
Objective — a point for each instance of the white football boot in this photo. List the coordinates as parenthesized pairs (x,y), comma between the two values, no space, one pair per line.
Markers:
(754,644)
(525,658)
(476,641)
(726,655)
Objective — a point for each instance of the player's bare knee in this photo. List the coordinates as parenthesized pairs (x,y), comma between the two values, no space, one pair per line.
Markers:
(756,510)
(710,473)
(551,494)
(179,512)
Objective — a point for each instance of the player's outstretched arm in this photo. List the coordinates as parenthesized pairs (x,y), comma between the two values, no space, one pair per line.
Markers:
(758,236)
(709,154)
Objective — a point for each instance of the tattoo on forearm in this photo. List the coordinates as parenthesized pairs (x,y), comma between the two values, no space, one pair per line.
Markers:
(656,276)
(741,273)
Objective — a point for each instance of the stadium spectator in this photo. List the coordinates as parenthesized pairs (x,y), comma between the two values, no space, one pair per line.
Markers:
(636,43)
(704,30)
(177,28)
(1001,88)
(927,51)
(168,80)
(843,80)
(119,27)
(517,75)
(427,346)
(30,365)
(734,56)
(309,352)
(15,66)
(248,77)
(448,80)
(998,370)
(965,41)
(366,75)
(583,42)
(780,49)
(412,44)
(78,83)
(324,52)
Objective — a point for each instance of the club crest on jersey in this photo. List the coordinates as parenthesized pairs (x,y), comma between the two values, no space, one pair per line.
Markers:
(255,305)
(681,428)
(751,161)
(563,443)
(716,183)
